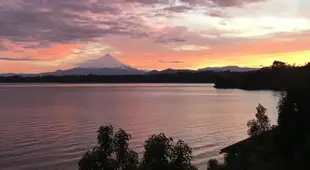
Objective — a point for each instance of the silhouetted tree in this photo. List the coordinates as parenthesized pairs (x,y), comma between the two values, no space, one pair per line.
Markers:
(90,161)
(261,124)
(113,153)
(161,153)
(213,164)
(110,145)
(284,147)
(258,152)
(279,64)
(293,122)
(181,157)
(158,151)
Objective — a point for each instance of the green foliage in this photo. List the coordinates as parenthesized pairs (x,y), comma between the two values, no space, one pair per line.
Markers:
(90,160)
(181,156)
(161,153)
(158,151)
(261,124)
(127,159)
(213,164)
(105,139)
(110,145)
(113,153)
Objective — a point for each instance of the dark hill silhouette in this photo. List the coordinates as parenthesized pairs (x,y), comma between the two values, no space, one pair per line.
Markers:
(94,71)
(170,71)
(178,77)
(229,68)
(277,77)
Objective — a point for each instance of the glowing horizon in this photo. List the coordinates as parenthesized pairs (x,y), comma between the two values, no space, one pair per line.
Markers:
(152,34)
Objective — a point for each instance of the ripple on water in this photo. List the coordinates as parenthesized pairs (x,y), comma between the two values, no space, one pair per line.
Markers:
(56,127)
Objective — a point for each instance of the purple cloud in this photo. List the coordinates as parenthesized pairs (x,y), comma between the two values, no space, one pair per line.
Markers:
(168,39)
(171,62)
(3,47)
(220,3)
(19,59)
(150,2)
(66,21)
(232,3)
(178,9)
(71,21)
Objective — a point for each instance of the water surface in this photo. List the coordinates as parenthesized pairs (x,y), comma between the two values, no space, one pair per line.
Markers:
(50,126)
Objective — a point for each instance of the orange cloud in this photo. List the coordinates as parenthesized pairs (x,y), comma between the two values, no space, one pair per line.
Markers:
(145,54)
(56,51)
(9,67)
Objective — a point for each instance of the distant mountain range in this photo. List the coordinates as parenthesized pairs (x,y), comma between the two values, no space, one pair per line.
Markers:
(214,69)
(108,65)
(229,68)
(170,71)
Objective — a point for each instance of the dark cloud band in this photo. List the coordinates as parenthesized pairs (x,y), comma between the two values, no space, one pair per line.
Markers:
(65,21)
(171,62)
(19,59)
(70,21)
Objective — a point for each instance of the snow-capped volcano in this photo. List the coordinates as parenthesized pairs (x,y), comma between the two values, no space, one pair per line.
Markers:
(107,61)
(106,65)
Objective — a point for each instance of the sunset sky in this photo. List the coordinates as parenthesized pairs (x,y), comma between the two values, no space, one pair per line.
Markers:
(46,35)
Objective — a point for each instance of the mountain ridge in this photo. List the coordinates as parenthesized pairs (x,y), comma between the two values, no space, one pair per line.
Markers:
(107,61)
(229,68)
(108,65)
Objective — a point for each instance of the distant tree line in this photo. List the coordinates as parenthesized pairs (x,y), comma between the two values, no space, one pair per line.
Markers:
(179,77)
(279,76)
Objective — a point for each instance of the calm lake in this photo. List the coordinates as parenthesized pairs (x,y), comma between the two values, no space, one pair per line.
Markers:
(50,126)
